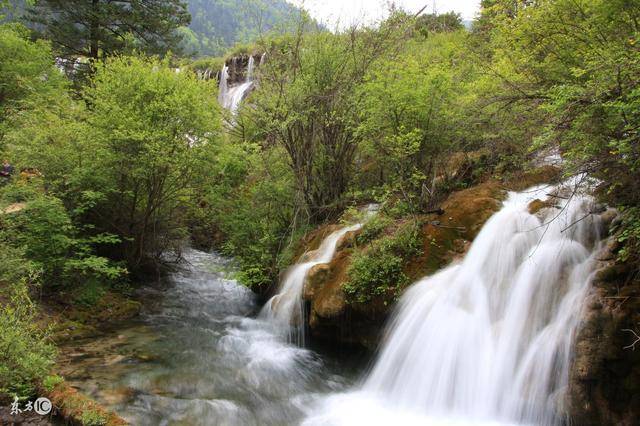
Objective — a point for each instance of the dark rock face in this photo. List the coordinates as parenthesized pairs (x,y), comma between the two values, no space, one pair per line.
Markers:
(238,66)
(604,385)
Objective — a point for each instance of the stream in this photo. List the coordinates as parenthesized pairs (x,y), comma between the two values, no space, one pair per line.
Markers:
(197,354)
(485,341)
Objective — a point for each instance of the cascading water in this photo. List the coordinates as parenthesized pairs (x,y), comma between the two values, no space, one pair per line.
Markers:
(196,356)
(230,97)
(286,308)
(224,85)
(488,340)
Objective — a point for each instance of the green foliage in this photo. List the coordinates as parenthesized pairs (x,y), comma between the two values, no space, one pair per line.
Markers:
(26,355)
(430,23)
(307,103)
(378,270)
(629,236)
(220,24)
(45,232)
(92,417)
(253,206)
(44,229)
(128,165)
(27,72)
(101,28)
(206,64)
(51,382)
(373,228)
(411,114)
(576,63)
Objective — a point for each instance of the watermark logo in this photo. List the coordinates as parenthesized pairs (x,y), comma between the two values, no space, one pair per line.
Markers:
(41,406)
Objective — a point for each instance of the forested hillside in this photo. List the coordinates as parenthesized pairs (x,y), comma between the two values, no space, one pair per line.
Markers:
(217,25)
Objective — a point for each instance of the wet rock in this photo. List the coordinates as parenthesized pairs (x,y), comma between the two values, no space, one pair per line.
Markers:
(607,218)
(347,240)
(604,381)
(316,276)
(536,205)
(26,418)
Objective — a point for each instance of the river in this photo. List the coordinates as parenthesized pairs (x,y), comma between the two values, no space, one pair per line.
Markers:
(197,354)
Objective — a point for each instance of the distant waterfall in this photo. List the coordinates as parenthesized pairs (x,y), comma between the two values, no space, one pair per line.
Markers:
(224,85)
(487,340)
(231,96)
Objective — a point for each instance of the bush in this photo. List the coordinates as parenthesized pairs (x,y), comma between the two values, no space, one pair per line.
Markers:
(629,236)
(51,382)
(93,418)
(26,354)
(47,236)
(379,269)
(373,228)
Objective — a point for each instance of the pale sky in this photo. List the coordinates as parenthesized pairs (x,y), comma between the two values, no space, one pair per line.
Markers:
(347,12)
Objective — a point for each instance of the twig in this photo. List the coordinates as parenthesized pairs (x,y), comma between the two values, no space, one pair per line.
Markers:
(632,346)
(457,228)
(582,218)
(557,196)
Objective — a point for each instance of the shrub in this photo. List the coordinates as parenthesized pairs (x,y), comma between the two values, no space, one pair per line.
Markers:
(373,228)
(93,418)
(379,269)
(44,231)
(51,382)
(26,354)
(629,236)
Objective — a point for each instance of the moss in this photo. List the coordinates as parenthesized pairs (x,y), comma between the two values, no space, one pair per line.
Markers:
(446,237)
(536,205)
(538,176)
(76,408)
(379,270)
(373,229)
(72,320)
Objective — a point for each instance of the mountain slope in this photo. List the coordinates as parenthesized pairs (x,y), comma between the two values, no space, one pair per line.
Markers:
(218,24)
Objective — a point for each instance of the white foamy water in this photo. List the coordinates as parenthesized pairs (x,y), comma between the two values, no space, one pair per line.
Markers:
(286,308)
(196,356)
(486,341)
(231,96)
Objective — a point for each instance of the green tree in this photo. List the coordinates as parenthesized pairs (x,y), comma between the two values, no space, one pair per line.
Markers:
(27,72)
(26,352)
(577,62)
(438,23)
(131,163)
(412,116)
(307,103)
(100,28)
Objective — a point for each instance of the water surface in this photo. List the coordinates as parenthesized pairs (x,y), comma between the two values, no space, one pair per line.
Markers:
(197,355)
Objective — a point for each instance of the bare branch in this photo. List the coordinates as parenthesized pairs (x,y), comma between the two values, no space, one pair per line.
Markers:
(632,346)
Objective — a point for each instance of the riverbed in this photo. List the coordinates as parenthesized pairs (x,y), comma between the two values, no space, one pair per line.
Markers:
(197,354)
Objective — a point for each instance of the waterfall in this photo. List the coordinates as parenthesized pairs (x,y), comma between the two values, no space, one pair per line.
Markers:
(224,85)
(286,308)
(250,67)
(487,340)
(230,97)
